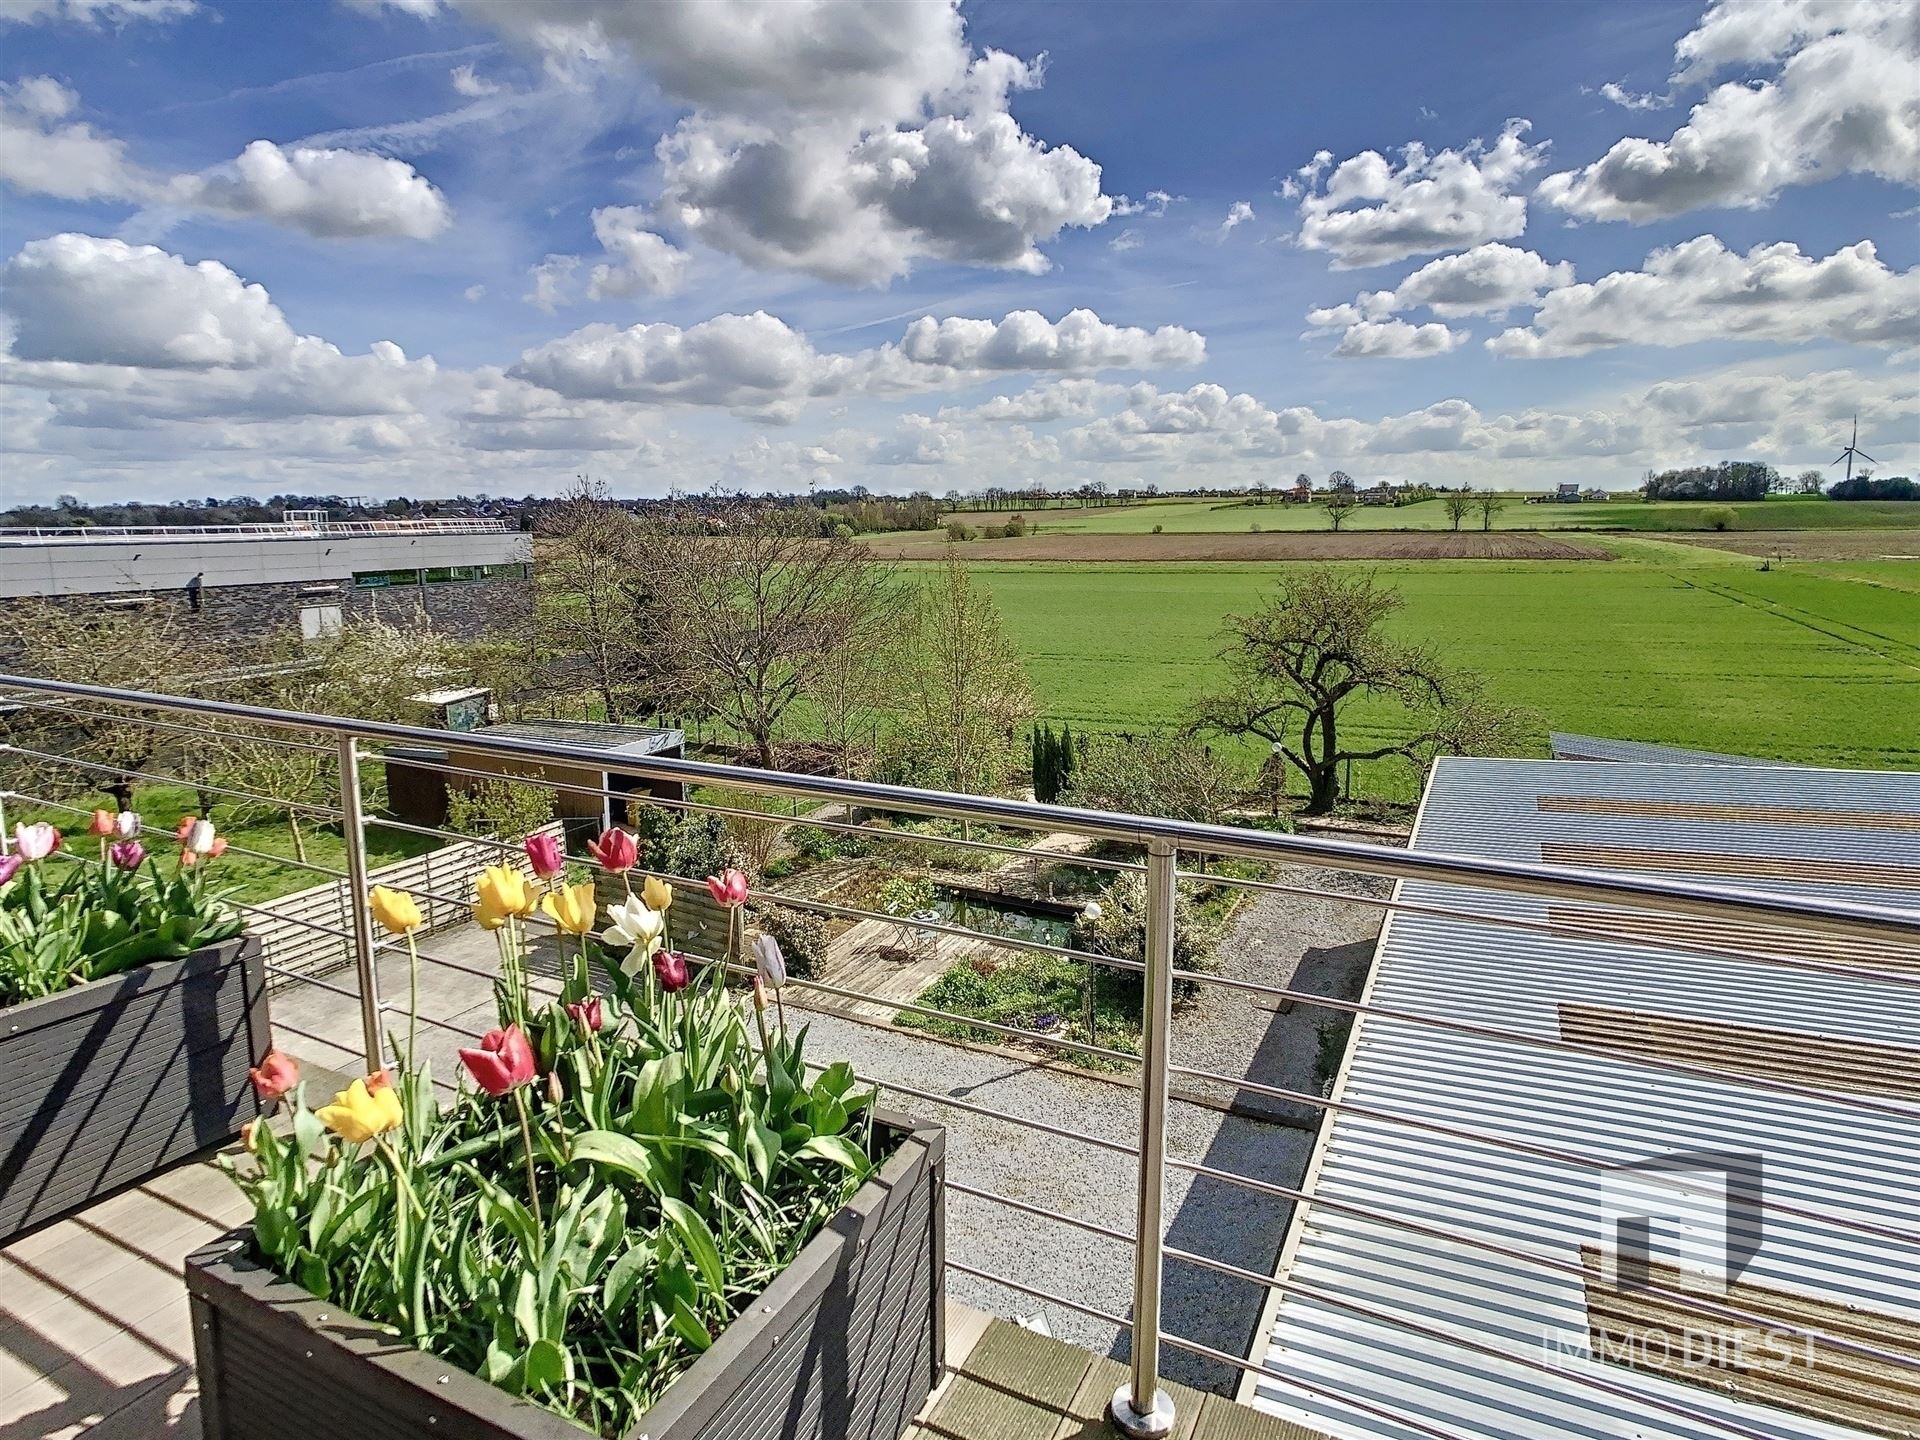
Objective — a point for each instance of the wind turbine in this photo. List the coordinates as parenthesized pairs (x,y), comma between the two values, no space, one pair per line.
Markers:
(1853,449)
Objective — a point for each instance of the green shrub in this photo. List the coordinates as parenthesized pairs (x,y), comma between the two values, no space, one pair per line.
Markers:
(1718,517)
(1119,929)
(681,842)
(904,894)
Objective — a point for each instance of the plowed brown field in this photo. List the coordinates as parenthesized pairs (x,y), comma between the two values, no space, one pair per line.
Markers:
(1273,545)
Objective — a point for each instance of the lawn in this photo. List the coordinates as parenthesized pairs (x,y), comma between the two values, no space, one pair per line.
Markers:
(1814,663)
(1220,515)
(253,877)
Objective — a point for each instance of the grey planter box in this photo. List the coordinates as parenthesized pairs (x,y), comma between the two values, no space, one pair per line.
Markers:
(845,1344)
(106,1083)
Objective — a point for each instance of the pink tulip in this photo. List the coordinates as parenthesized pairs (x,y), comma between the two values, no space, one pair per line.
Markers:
(587,1013)
(35,842)
(670,969)
(275,1075)
(127,854)
(9,864)
(614,851)
(504,1060)
(729,887)
(545,855)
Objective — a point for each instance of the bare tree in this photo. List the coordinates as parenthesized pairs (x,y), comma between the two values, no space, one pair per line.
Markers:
(852,687)
(742,618)
(585,600)
(1321,640)
(1340,504)
(1459,504)
(964,691)
(1488,504)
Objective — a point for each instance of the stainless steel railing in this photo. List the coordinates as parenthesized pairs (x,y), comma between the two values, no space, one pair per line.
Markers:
(1141,1406)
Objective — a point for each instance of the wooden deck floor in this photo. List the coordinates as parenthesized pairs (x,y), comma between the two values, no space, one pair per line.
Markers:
(94,1339)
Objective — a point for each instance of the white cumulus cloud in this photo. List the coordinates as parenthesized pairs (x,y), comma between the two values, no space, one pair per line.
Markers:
(328,193)
(1701,290)
(1396,340)
(1845,100)
(332,194)
(972,189)
(1369,211)
(88,301)
(640,262)
(759,365)
(44,152)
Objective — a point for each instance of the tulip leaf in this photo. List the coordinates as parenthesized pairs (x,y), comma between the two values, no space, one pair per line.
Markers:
(549,1365)
(838,1149)
(701,1246)
(687,1325)
(623,1280)
(622,1153)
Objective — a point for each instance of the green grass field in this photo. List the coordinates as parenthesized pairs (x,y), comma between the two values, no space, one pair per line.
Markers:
(1670,643)
(1218,516)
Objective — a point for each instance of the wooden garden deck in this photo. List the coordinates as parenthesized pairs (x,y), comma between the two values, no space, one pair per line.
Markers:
(94,1339)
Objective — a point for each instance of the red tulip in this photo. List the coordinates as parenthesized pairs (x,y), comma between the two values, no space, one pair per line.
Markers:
(102,822)
(587,1013)
(615,851)
(275,1075)
(729,887)
(545,855)
(670,968)
(504,1060)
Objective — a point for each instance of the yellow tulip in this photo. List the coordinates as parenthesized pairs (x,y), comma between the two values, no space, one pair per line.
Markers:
(394,909)
(571,907)
(358,1113)
(501,892)
(656,893)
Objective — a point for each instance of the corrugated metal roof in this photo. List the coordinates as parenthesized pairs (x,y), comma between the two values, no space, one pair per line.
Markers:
(1598,747)
(1854,1158)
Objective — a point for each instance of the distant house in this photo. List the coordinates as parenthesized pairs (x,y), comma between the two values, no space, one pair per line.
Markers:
(1381,494)
(1566,495)
(1301,493)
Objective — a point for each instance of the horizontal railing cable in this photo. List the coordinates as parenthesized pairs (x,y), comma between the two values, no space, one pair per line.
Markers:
(1624,936)
(124,772)
(1675,1181)
(1591,1378)
(1681,1299)
(1548,1042)
(160,830)
(879,834)
(199,732)
(1525,877)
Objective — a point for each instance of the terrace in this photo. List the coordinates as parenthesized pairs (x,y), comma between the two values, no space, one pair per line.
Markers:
(1206,1271)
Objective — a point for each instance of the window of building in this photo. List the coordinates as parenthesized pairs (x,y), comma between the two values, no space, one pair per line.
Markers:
(319,622)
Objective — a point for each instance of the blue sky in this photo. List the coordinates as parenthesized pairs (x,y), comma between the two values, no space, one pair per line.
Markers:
(914,247)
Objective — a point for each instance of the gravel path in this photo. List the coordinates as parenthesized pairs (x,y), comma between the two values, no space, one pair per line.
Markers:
(1076,1179)
(1321,945)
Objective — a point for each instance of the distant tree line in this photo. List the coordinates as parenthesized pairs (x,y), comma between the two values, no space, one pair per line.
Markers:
(1865,487)
(1729,480)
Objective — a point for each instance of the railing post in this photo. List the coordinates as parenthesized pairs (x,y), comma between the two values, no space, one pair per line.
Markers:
(1141,1410)
(353,831)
